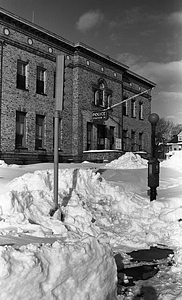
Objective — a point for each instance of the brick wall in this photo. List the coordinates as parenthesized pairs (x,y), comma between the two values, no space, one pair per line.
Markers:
(84,72)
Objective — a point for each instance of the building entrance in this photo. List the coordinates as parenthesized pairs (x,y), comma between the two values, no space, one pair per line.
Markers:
(100,137)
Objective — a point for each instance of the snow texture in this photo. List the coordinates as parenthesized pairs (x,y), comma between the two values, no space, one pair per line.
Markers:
(96,218)
(128,161)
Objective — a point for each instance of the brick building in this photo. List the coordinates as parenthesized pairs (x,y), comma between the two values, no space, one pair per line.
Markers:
(27,98)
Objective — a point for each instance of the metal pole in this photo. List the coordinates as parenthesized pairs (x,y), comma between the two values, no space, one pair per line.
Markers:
(153,141)
(56,157)
(153,190)
(130,98)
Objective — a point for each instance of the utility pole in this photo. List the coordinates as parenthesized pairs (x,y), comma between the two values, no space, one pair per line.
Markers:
(58,109)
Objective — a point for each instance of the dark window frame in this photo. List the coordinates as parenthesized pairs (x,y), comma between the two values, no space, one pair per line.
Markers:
(89,135)
(101,136)
(39,132)
(140,138)
(133,140)
(111,138)
(21,78)
(20,139)
(125,139)
(141,110)
(40,82)
(133,108)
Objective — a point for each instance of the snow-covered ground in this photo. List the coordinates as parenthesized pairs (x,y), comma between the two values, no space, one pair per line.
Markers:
(104,209)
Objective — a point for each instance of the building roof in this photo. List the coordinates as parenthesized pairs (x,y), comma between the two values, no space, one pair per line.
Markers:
(15,20)
(175,139)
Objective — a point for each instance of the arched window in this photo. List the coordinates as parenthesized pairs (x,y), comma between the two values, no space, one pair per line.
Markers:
(102,95)
(141,110)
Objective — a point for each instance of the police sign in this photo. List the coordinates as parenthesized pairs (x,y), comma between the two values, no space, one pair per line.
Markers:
(100,115)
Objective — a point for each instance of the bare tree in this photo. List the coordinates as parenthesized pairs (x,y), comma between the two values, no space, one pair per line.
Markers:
(164,130)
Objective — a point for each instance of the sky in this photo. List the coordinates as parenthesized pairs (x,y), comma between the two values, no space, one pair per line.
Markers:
(143,34)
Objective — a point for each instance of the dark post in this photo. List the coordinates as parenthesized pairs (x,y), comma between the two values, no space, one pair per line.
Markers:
(153,164)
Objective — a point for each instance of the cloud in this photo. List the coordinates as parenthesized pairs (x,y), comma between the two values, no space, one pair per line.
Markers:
(129,59)
(89,20)
(168,96)
(165,74)
(176,18)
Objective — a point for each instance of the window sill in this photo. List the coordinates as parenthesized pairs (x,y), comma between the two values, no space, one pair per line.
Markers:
(22,89)
(103,107)
(20,148)
(40,149)
(43,94)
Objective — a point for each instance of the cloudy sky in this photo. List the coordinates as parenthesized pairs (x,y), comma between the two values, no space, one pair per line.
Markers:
(143,34)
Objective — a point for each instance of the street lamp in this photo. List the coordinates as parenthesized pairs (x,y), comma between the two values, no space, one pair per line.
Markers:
(153,164)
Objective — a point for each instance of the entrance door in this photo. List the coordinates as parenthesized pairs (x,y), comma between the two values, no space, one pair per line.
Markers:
(100,137)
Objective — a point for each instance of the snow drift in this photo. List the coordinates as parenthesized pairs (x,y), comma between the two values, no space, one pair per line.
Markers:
(95,219)
(128,161)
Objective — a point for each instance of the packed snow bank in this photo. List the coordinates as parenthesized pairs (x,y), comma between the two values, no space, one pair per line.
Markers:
(81,267)
(95,215)
(128,161)
(174,162)
(78,270)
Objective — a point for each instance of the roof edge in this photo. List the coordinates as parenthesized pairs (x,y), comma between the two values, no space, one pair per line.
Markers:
(96,52)
(35,26)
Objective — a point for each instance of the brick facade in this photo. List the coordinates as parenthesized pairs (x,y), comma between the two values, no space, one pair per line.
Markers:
(22,41)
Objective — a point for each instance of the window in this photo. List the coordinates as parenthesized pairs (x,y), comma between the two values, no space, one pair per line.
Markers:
(102,95)
(100,137)
(125,108)
(111,137)
(141,110)
(89,136)
(21,79)
(125,104)
(39,134)
(140,141)
(40,81)
(133,108)
(20,141)
(132,140)
(125,137)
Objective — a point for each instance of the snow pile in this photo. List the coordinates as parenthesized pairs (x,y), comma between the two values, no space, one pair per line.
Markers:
(81,269)
(3,164)
(128,161)
(175,161)
(94,218)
